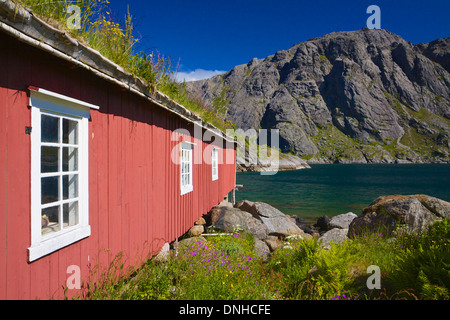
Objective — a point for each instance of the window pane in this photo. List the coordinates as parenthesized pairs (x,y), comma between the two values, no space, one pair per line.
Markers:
(70,186)
(70,131)
(50,220)
(49,159)
(49,128)
(49,189)
(70,159)
(70,214)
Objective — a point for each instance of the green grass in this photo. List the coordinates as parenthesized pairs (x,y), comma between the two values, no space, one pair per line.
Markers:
(227,267)
(209,114)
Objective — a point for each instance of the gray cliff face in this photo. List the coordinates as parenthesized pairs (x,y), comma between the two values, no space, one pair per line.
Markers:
(360,96)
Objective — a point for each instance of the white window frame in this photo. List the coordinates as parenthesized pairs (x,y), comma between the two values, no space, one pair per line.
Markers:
(186,163)
(215,164)
(53,104)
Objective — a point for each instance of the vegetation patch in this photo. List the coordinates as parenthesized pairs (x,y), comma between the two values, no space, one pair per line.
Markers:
(413,266)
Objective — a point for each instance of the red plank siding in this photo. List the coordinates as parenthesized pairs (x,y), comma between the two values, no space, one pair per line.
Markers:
(3,165)
(135,204)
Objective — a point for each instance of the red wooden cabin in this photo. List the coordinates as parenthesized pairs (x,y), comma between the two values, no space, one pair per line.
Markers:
(91,166)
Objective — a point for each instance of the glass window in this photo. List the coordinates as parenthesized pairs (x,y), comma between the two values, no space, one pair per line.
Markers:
(215,163)
(186,168)
(59,172)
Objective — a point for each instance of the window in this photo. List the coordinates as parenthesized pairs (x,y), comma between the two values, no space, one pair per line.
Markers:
(215,163)
(59,172)
(186,168)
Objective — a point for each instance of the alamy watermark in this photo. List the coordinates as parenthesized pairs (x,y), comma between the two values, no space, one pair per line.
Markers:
(374,281)
(255,147)
(74,21)
(74,279)
(374,21)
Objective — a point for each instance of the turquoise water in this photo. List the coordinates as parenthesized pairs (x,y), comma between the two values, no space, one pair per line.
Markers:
(333,189)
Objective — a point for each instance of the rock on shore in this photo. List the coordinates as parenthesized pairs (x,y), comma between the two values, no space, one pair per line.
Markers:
(267,224)
(386,213)
(286,162)
(270,227)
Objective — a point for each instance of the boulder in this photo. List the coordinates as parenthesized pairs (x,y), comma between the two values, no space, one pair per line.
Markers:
(187,243)
(273,243)
(196,230)
(225,203)
(323,224)
(277,223)
(200,221)
(342,221)
(262,250)
(335,235)
(232,219)
(385,213)
(305,226)
(163,255)
(212,216)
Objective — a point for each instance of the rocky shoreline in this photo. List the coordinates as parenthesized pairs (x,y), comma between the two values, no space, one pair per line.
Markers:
(286,162)
(385,160)
(271,228)
(291,162)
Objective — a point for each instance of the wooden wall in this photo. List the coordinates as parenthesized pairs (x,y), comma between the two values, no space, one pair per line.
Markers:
(134,188)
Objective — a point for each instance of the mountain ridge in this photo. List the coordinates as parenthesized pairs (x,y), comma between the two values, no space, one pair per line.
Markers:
(365,96)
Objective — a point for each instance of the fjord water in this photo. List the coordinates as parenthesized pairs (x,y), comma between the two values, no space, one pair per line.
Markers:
(332,189)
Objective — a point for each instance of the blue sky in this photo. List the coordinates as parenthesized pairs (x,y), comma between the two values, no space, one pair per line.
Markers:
(211,36)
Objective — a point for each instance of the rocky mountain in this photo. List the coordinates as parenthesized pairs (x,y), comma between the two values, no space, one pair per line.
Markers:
(363,96)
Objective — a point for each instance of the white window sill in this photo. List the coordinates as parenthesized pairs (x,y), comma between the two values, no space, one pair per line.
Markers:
(187,190)
(53,244)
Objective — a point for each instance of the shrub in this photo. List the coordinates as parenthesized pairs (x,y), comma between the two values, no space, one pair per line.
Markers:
(292,263)
(226,267)
(423,263)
